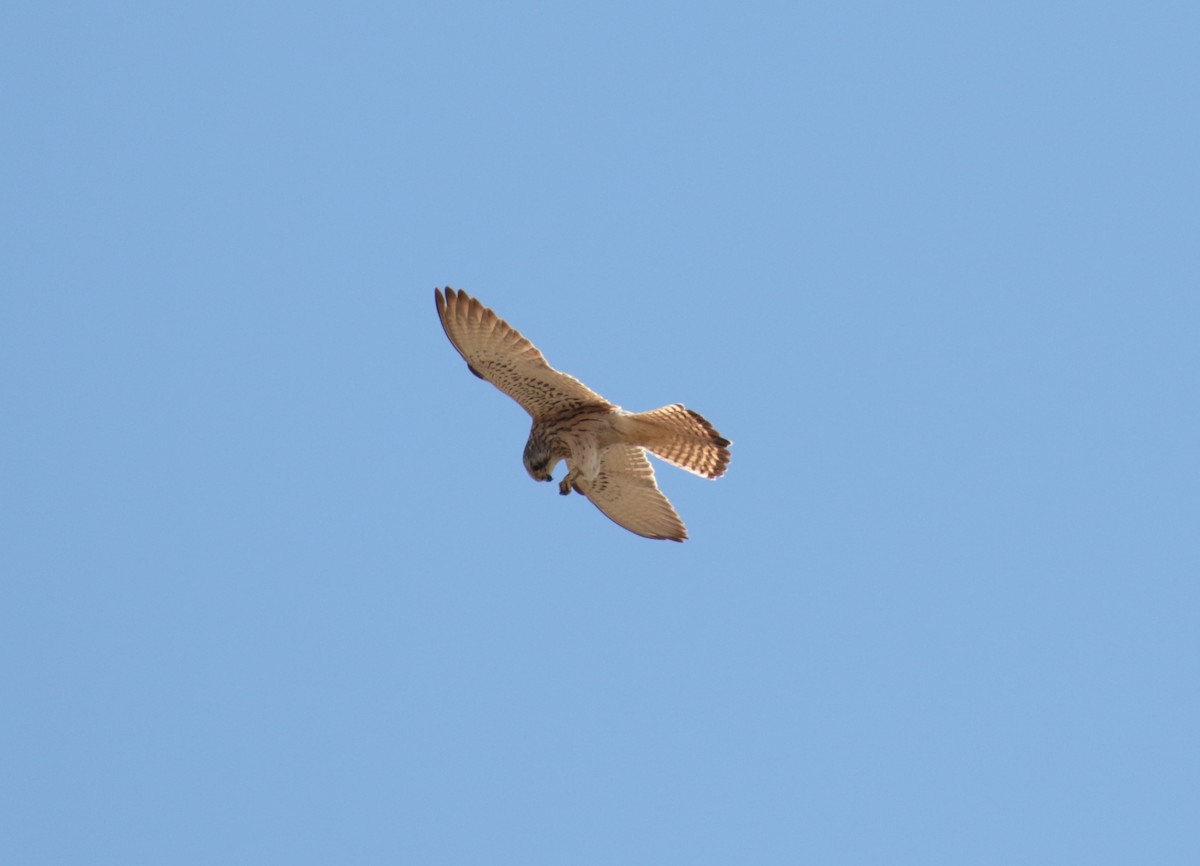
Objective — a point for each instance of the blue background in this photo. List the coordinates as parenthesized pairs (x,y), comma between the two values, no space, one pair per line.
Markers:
(278,590)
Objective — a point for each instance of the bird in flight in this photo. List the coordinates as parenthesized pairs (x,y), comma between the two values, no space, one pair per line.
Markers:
(604,446)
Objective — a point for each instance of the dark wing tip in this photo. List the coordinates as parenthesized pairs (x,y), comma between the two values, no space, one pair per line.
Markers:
(448,297)
(682,536)
(439,301)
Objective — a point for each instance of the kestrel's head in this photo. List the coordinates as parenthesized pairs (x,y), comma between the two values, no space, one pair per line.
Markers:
(539,461)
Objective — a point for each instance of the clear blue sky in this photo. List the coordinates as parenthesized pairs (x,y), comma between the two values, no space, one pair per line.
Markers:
(276,588)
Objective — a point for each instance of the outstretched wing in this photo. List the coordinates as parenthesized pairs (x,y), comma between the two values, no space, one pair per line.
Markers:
(498,353)
(625,490)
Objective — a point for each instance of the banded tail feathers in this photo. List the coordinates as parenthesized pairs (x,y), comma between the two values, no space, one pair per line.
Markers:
(682,437)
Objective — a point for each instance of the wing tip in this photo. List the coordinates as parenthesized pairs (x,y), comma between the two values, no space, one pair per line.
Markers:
(680,537)
(448,297)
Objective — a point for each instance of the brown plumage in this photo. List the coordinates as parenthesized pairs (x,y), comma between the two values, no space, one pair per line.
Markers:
(604,446)
(683,438)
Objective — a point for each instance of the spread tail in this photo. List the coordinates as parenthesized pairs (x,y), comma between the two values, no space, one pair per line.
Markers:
(683,438)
